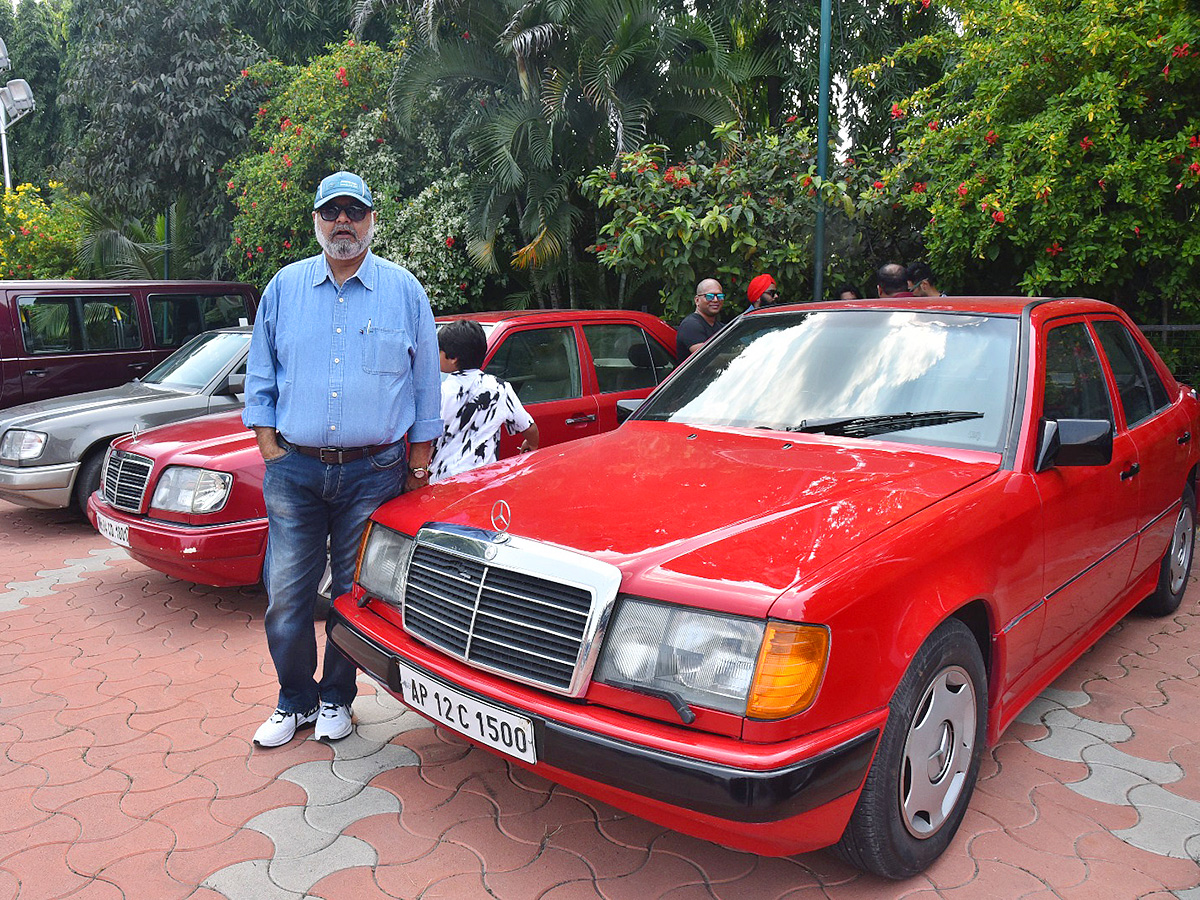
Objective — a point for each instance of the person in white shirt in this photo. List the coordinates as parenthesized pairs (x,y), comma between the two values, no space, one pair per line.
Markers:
(475,405)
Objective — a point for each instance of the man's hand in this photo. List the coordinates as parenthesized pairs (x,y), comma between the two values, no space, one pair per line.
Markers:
(268,442)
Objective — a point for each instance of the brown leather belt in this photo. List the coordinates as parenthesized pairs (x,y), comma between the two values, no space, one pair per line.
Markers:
(335,456)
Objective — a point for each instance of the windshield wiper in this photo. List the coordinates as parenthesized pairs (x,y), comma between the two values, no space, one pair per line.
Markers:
(865,426)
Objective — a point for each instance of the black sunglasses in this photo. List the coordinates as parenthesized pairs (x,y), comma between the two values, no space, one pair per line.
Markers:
(355,212)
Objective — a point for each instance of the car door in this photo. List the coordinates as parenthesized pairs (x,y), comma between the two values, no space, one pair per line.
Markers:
(1160,430)
(1090,512)
(543,366)
(78,342)
(629,363)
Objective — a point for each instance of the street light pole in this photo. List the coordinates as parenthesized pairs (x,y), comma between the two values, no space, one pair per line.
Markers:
(16,99)
(822,149)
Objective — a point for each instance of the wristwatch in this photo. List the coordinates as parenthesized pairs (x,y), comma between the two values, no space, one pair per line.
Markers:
(419,471)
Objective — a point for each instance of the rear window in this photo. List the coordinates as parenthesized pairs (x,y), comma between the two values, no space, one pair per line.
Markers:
(175,318)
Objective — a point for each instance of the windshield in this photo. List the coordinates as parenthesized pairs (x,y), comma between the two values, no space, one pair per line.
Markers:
(921,377)
(198,361)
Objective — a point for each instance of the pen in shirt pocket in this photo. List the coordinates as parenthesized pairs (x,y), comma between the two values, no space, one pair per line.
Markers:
(366,330)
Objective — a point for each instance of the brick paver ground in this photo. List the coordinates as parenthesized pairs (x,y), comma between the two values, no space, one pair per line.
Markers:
(128,699)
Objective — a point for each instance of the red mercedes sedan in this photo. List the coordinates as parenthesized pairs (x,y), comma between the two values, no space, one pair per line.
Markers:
(790,601)
(187,499)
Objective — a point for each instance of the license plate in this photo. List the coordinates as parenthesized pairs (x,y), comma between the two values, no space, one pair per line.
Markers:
(117,532)
(483,722)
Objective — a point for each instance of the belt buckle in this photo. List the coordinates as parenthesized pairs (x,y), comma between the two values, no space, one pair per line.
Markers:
(335,453)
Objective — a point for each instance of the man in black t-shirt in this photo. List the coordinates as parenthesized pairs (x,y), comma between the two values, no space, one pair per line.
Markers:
(702,324)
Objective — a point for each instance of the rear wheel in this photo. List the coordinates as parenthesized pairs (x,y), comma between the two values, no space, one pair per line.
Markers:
(87,479)
(1176,562)
(925,767)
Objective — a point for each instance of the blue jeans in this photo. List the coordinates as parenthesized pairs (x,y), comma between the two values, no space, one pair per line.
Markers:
(308,503)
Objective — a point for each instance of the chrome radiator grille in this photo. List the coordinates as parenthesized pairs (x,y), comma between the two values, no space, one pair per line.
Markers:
(123,482)
(530,627)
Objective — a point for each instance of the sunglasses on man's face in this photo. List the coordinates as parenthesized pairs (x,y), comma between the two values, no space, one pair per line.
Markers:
(713,296)
(355,212)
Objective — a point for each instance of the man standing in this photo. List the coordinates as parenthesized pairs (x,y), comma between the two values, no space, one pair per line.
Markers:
(699,326)
(762,291)
(892,281)
(343,367)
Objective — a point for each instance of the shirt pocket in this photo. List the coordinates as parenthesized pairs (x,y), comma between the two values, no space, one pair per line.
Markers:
(388,352)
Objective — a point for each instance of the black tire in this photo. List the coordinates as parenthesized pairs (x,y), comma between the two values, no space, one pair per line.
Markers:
(907,814)
(87,479)
(1176,564)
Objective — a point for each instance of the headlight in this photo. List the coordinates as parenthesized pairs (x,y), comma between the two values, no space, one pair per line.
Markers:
(749,667)
(190,490)
(383,563)
(21,444)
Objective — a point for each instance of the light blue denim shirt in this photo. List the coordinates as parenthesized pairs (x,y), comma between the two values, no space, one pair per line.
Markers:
(349,367)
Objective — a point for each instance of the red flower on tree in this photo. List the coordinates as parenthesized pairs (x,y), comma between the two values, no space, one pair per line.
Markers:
(1194,141)
(1179,52)
(998,216)
(1054,249)
(991,137)
(962,189)
(897,112)
(1194,168)
(342,77)
(933,125)
(918,187)
(1086,143)
(450,242)
(878,185)
(789,120)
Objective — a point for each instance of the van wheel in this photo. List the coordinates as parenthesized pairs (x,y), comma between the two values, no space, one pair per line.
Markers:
(87,480)
(925,766)
(1176,562)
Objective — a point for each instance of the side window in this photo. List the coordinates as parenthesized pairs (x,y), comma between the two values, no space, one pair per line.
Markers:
(541,364)
(1141,391)
(177,317)
(78,324)
(1075,386)
(625,357)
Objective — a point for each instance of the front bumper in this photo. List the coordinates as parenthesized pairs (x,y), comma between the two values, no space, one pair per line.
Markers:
(226,554)
(789,809)
(38,487)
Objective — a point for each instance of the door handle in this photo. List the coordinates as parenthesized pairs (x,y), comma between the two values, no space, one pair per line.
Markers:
(1130,472)
(139,367)
(579,420)
(36,373)
(1184,438)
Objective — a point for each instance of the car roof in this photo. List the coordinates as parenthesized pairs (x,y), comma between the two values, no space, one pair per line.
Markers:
(545,315)
(54,284)
(998,305)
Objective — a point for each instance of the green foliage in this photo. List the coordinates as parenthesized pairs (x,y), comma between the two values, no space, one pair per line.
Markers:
(38,48)
(148,80)
(302,129)
(1062,153)
(37,238)
(737,215)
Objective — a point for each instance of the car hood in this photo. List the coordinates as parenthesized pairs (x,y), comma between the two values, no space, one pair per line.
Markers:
(120,402)
(207,441)
(717,516)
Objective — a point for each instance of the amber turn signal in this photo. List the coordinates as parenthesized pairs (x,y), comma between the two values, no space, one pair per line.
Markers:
(791,664)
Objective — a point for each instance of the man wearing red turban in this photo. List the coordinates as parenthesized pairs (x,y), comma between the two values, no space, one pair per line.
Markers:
(762,291)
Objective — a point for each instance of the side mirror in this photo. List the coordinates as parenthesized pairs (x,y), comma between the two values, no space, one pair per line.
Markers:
(235,384)
(1074,442)
(626,408)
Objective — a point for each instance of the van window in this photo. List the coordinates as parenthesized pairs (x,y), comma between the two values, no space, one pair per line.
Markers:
(53,324)
(177,317)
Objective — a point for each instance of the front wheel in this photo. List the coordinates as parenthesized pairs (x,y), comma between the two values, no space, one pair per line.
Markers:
(925,767)
(1176,562)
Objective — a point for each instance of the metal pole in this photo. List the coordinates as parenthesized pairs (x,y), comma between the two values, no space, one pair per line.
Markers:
(4,145)
(822,149)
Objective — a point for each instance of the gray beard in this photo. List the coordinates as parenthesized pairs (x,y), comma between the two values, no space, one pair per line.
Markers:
(344,247)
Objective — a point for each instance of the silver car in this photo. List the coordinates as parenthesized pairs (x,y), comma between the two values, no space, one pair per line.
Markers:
(51,451)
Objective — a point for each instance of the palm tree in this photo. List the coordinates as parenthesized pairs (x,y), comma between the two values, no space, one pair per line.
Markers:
(115,246)
(549,89)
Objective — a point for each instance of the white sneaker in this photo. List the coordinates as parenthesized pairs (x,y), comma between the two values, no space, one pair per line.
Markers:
(281,727)
(334,722)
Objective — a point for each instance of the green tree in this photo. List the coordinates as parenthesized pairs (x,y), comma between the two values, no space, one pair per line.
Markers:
(545,91)
(739,211)
(1061,153)
(37,49)
(149,79)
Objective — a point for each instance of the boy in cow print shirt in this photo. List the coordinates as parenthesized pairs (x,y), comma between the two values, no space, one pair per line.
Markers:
(475,405)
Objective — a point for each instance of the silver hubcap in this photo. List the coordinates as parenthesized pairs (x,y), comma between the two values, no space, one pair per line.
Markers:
(1181,548)
(937,752)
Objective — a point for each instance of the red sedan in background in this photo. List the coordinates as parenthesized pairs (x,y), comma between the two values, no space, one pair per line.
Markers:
(794,597)
(187,500)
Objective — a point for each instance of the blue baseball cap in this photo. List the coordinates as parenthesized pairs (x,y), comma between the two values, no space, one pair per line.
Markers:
(342,184)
